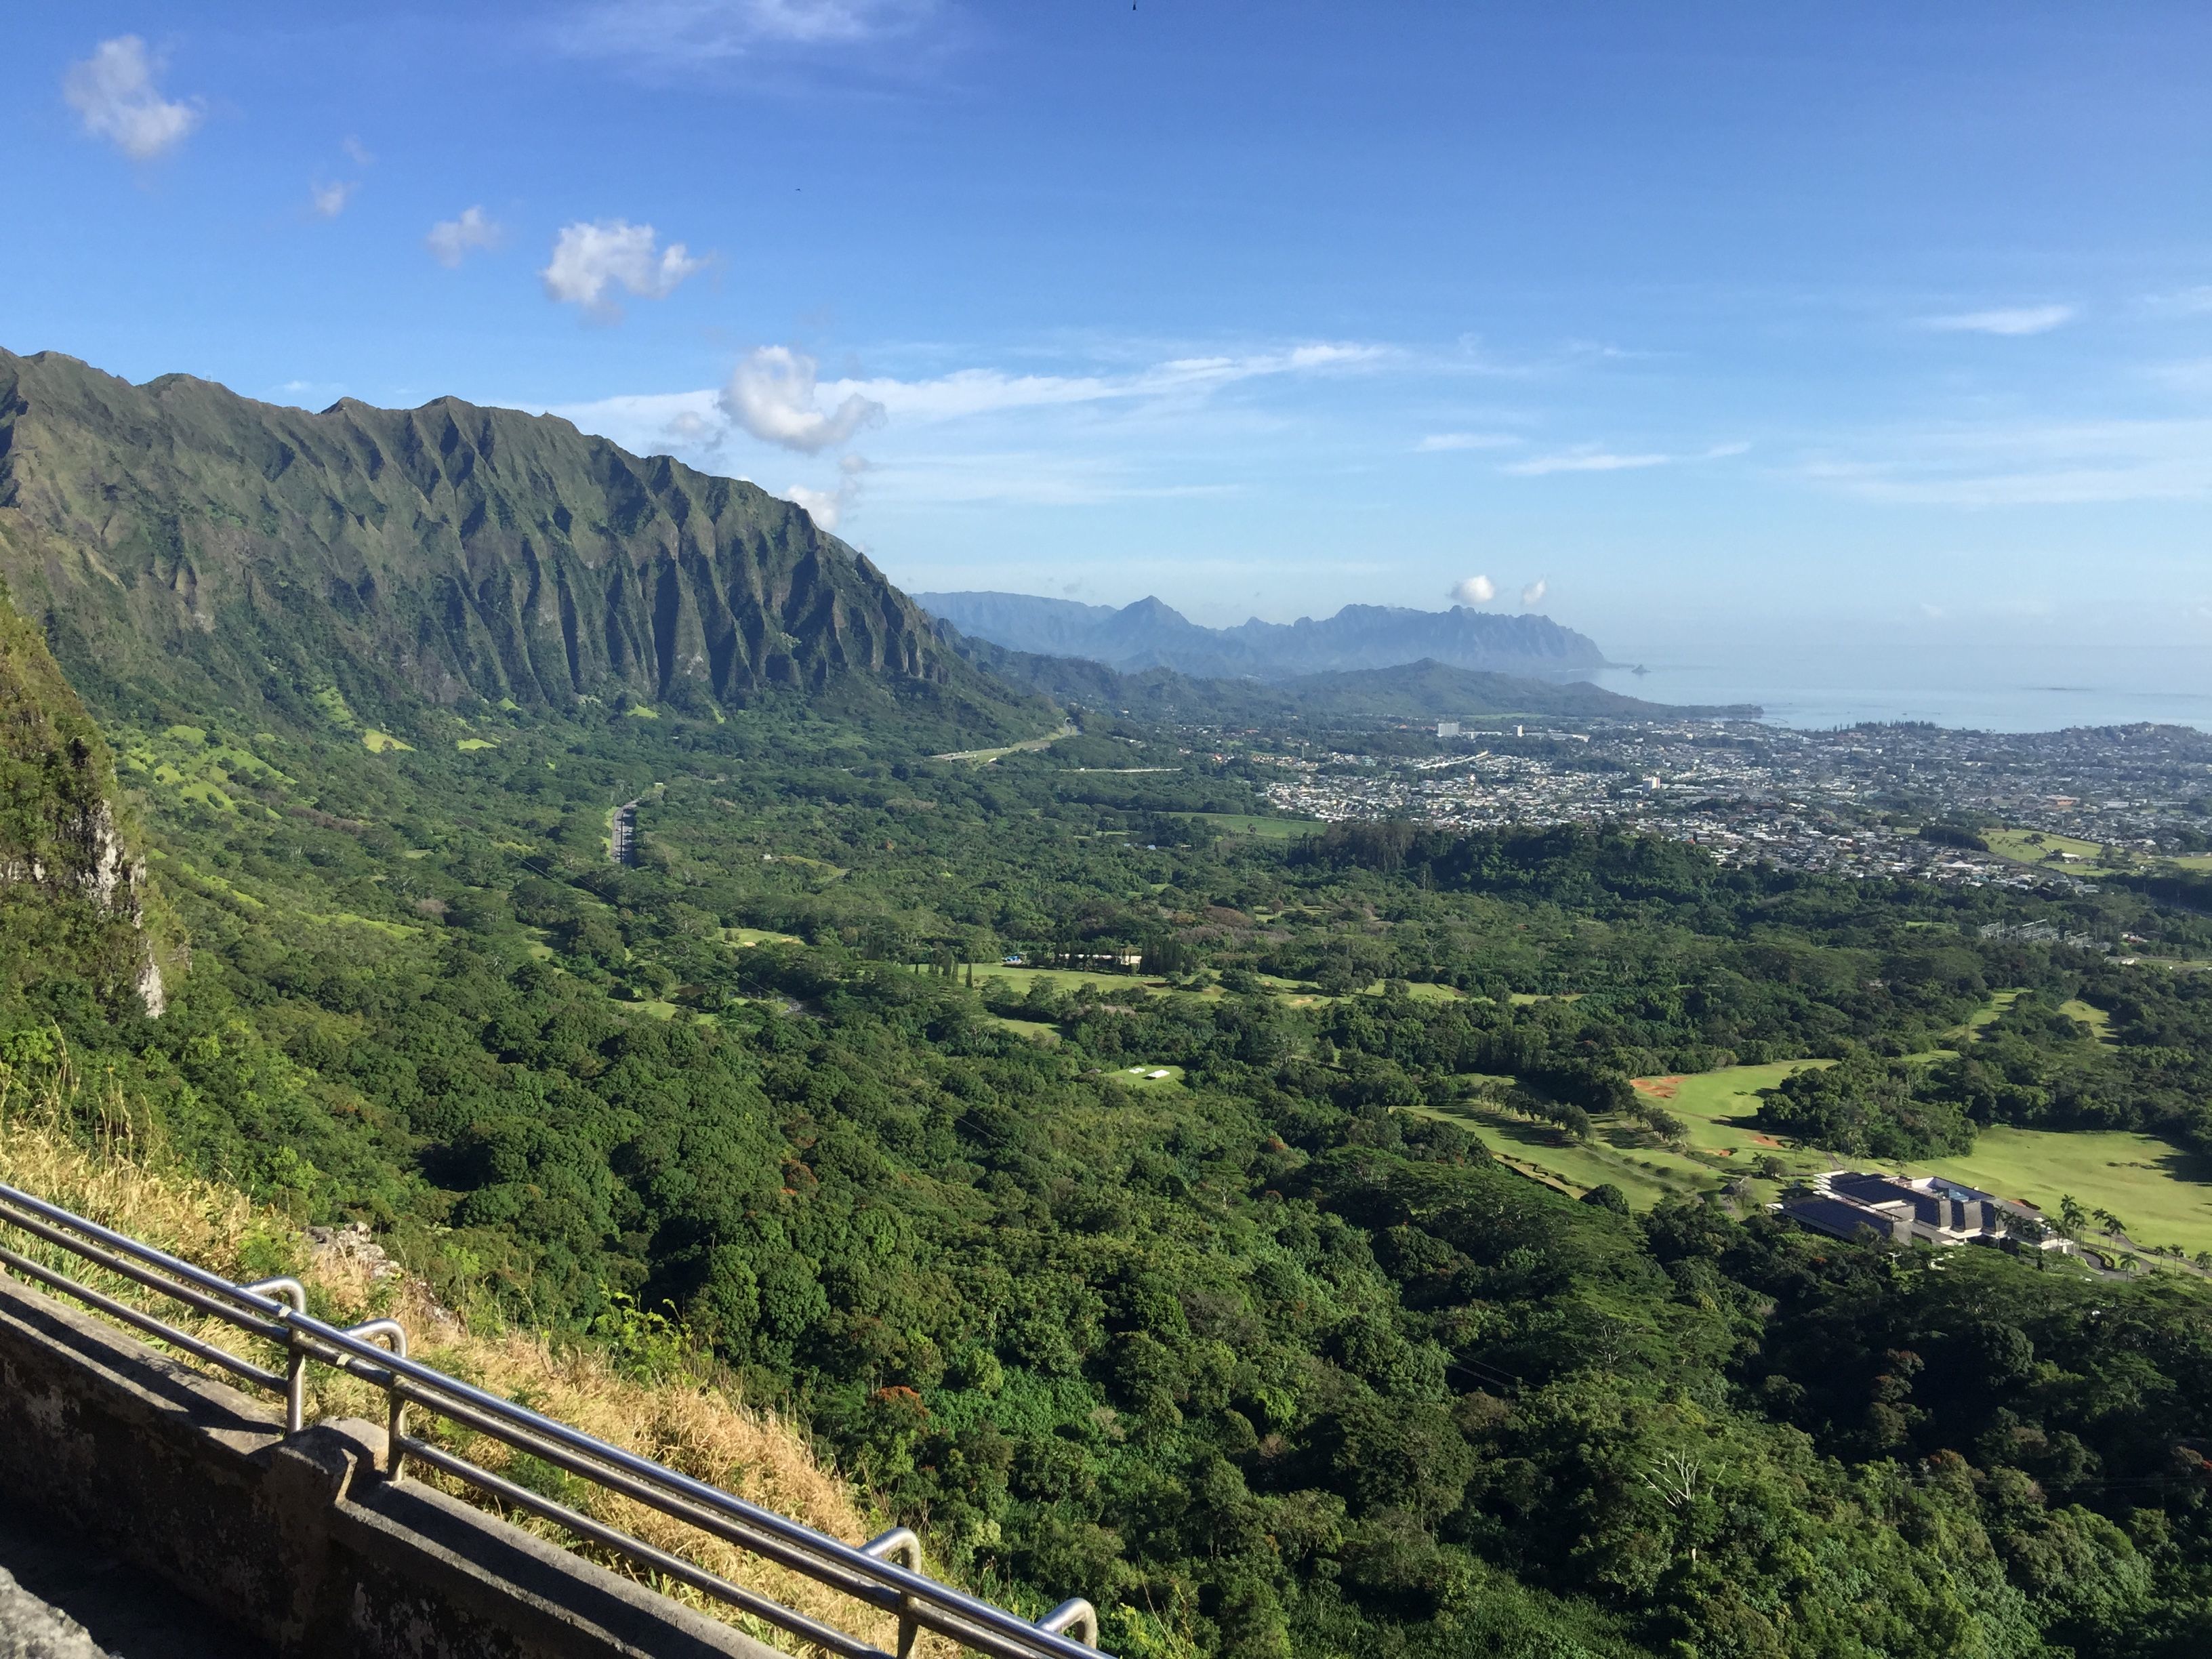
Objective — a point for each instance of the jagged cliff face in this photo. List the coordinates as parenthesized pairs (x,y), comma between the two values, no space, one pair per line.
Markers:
(72,889)
(178,537)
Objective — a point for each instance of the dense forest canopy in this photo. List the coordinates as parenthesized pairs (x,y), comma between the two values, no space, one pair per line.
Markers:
(1264,1353)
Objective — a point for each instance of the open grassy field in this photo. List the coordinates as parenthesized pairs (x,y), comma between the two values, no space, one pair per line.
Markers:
(2163,1193)
(1245,824)
(2036,847)
(1148,1077)
(1626,1157)
(1988,1012)
(2096,1018)
(1062,980)
(985,756)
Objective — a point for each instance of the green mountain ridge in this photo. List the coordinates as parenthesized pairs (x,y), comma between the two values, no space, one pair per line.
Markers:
(180,542)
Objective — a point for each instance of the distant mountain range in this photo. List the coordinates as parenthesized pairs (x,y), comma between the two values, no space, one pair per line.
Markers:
(1423,690)
(1152,635)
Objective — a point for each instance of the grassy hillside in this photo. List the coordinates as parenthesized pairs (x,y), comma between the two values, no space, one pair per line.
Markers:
(636,1383)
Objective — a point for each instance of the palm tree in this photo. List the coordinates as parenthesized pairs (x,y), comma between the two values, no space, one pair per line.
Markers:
(2071,1216)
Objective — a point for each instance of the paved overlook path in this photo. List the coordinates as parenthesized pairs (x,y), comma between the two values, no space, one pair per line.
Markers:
(61,1598)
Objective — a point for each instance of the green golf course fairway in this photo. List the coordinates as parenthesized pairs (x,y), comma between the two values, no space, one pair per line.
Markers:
(2164,1194)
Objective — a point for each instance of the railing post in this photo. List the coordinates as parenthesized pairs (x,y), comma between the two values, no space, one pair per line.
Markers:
(395,1421)
(1074,1614)
(900,1545)
(294,1295)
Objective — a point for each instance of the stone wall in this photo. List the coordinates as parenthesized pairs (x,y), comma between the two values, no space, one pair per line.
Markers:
(299,1538)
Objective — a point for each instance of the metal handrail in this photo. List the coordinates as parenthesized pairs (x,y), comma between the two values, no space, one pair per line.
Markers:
(866,1573)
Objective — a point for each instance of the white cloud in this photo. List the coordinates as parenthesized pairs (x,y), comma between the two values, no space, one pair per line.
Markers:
(590,261)
(113,94)
(329,200)
(1534,594)
(452,240)
(773,394)
(1589,457)
(356,152)
(1475,590)
(679,32)
(2021,320)
(1438,442)
(827,507)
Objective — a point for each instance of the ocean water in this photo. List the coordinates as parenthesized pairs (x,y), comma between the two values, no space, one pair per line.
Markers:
(1806,697)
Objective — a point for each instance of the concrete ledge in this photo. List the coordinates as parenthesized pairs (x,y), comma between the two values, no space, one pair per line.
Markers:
(299,1541)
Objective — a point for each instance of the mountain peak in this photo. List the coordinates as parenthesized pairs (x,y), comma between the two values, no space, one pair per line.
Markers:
(1151,608)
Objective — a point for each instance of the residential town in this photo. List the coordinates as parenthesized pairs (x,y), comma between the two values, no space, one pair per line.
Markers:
(1851,802)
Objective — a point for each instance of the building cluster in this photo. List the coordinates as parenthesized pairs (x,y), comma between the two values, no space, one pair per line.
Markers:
(1917,1210)
(1848,803)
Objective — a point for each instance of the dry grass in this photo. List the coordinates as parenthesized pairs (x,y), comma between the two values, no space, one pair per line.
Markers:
(688,1417)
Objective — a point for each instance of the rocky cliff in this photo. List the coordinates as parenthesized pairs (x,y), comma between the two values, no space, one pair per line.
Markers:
(71,887)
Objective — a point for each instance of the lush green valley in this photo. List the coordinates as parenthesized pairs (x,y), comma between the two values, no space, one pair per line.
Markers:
(1266,1355)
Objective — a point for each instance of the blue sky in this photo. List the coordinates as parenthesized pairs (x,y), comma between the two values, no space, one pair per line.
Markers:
(1868,330)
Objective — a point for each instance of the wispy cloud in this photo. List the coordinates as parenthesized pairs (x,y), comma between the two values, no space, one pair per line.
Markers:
(676,33)
(2057,464)
(1534,594)
(2015,320)
(114,95)
(1441,442)
(591,261)
(329,200)
(452,240)
(2194,374)
(1029,477)
(1590,458)
(973,391)
(2188,301)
